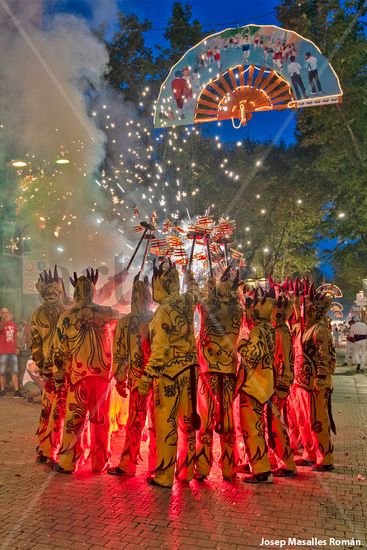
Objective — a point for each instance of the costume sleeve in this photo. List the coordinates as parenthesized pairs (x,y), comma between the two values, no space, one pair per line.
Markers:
(159,329)
(193,291)
(37,345)
(284,356)
(326,351)
(120,351)
(60,353)
(252,350)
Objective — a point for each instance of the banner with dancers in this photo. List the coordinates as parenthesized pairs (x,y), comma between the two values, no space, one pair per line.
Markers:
(239,71)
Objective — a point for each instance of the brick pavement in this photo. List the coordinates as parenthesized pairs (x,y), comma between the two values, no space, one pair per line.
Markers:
(43,510)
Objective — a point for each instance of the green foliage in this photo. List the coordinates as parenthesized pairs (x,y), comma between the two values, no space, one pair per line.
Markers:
(180,33)
(131,61)
(335,137)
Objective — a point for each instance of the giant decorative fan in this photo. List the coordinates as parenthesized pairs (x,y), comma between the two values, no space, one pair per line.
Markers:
(241,91)
(239,71)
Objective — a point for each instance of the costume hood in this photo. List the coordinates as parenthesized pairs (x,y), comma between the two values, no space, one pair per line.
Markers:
(282,310)
(141,297)
(316,305)
(84,287)
(50,287)
(165,282)
(262,306)
(227,288)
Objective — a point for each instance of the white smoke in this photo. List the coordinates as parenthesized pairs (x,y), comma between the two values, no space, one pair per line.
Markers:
(49,73)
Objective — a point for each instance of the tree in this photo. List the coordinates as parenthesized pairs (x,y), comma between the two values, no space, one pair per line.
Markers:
(335,137)
(131,61)
(180,33)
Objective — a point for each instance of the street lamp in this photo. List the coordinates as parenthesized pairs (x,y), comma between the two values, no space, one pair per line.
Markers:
(18,163)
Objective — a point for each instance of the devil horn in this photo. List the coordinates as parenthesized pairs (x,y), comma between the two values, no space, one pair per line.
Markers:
(146,280)
(311,291)
(236,280)
(225,275)
(74,280)
(160,269)
(136,278)
(155,269)
(272,292)
(95,277)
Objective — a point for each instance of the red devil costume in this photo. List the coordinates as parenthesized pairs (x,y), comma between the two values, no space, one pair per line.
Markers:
(43,329)
(313,383)
(130,355)
(83,358)
(259,416)
(172,369)
(221,318)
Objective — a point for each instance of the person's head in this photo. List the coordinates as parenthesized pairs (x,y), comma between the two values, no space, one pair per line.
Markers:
(308,54)
(141,296)
(293,58)
(5,314)
(50,286)
(165,282)
(84,287)
(227,288)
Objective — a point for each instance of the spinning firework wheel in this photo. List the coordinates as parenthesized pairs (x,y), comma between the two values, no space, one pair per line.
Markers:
(241,91)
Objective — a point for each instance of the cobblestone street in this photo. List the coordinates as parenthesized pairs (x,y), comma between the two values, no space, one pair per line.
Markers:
(41,509)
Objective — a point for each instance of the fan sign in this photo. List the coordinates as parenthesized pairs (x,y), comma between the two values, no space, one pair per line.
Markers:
(240,71)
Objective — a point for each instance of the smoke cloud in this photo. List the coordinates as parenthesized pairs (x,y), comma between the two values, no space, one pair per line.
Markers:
(52,78)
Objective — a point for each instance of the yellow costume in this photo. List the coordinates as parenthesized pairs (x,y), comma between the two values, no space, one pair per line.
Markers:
(43,328)
(172,366)
(259,416)
(283,355)
(221,319)
(131,350)
(290,406)
(313,381)
(83,357)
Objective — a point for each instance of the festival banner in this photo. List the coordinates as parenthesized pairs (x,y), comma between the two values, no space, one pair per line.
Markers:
(240,71)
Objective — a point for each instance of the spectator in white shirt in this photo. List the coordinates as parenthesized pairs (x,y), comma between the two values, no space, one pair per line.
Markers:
(294,71)
(32,383)
(313,77)
(359,347)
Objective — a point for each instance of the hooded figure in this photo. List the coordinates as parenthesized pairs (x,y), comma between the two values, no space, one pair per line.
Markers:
(279,449)
(256,384)
(296,322)
(171,368)
(43,329)
(83,357)
(221,320)
(313,384)
(131,350)
(283,356)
